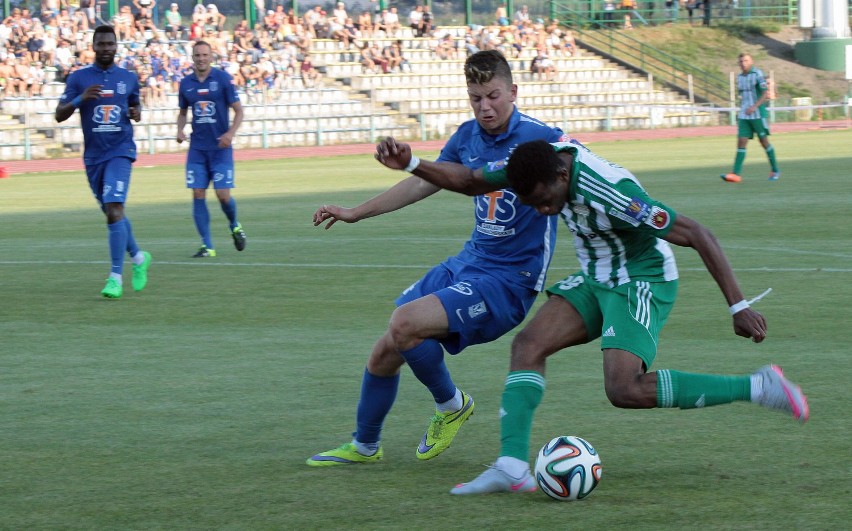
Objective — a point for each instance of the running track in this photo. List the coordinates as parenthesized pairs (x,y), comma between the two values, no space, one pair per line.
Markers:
(14,167)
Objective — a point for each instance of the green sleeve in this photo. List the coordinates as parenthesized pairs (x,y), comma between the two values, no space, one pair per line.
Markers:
(495,173)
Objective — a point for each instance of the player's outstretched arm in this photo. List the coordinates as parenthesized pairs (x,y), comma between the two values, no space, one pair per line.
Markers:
(447,175)
(400,195)
(687,232)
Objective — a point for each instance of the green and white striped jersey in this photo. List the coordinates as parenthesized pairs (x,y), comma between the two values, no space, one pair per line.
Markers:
(616,226)
(751,87)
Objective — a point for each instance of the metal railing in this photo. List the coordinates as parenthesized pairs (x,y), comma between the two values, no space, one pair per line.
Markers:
(667,69)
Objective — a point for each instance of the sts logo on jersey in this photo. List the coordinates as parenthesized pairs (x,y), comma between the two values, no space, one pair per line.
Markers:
(204,111)
(494,210)
(107,114)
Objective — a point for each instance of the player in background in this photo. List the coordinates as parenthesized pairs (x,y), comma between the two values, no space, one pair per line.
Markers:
(471,298)
(108,98)
(211,93)
(752,118)
(623,294)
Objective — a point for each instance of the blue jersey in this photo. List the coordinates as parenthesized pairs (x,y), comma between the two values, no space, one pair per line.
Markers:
(211,102)
(107,131)
(509,239)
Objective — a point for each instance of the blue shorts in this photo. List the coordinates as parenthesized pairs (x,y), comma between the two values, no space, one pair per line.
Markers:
(480,307)
(110,180)
(215,165)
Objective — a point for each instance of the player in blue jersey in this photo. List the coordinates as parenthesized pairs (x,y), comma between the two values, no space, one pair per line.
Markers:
(623,294)
(211,93)
(471,298)
(108,98)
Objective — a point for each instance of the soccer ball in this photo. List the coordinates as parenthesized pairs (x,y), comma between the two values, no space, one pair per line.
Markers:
(568,468)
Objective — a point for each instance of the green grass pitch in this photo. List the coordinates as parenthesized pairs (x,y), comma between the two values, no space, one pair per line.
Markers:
(194,404)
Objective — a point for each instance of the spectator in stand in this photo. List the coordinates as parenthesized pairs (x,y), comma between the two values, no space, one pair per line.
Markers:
(251,74)
(312,20)
(428,21)
(569,44)
(87,56)
(87,7)
(310,75)
(393,55)
(280,16)
(199,14)
(157,90)
(34,45)
(124,24)
(471,39)
(522,15)
(233,67)
(63,60)
(542,66)
(446,47)
(23,76)
(336,31)
(339,13)
(215,19)
(196,30)
(147,5)
(145,24)
(37,78)
(365,24)
(509,44)
(391,23)
(501,15)
(174,23)
(267,72)
(242,28)
(415,20)
(270,22)
(379,23)
(8,74)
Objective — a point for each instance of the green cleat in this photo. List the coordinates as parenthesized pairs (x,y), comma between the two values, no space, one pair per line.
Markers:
(140,272)
(239,237)
(443,429)
(345,455)
(204,252)
(113,289)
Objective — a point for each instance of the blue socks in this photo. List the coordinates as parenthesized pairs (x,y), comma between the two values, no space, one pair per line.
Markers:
(230,210)
(378,394)
(201,216)
(132,248)
(427,363)
(118,237)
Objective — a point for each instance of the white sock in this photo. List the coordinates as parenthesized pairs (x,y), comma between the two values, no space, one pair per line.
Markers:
(453,404)
(512,466)
(756,387)
(116,276)
(138,258)
(367,449)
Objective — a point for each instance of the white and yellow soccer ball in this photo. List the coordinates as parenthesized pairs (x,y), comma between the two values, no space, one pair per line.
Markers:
(568,468)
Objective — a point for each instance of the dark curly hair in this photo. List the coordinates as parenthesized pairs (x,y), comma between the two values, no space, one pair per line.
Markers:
(532,163)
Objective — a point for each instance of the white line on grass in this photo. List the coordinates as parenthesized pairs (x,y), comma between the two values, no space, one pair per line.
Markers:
(208,263)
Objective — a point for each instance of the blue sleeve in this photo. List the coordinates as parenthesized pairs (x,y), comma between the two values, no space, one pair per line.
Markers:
(450,152)
(230,89)
(133,98)
(182,102)
(72,89)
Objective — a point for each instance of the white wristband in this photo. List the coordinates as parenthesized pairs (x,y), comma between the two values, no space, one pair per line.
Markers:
(412,164)
(740,306)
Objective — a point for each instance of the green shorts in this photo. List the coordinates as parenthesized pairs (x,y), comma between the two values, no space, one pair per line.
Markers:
(748,128)
(628,317)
